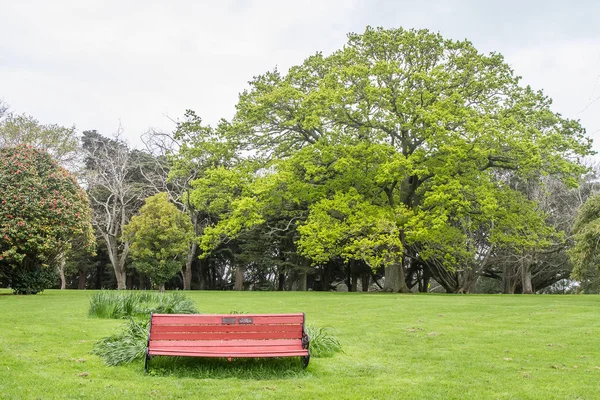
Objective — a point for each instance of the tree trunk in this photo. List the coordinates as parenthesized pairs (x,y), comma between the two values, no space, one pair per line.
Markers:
(302,281)
(161,287)
(526,278)
(281,282)
(365,280)
(507,288)
(239,278)
(82,279)
(187,274)
(118,262)
(61,271)
(353,282)
(467,280)
(349,276)
(326,278)
(203,274)
(424,280)
(394,279)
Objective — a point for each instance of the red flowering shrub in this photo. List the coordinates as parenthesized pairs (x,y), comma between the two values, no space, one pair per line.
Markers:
(42,209)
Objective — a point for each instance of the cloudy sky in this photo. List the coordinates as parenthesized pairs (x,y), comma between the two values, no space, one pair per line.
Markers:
(139,63)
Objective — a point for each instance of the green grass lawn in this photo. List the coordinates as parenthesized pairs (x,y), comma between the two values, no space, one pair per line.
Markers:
(395,346)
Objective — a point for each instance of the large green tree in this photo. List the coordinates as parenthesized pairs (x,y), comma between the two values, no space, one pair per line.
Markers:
(407,134)
(159,237)
(42,211)
(585,255)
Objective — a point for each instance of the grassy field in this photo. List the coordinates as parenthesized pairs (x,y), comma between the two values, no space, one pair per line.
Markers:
(395,346)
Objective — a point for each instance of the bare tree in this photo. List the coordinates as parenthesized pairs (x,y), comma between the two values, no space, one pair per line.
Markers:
(116,190)
(176,183)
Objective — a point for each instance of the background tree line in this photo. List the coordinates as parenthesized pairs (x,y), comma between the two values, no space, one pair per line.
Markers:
(403,161)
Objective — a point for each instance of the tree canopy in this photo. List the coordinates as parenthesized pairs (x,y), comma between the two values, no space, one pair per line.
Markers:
(402,148)
(159,236)
(43,210)
(403,155)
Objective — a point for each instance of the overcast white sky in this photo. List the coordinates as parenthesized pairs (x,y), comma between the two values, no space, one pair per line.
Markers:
(95,63)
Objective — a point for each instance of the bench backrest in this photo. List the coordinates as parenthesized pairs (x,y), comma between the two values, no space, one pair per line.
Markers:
(225,327)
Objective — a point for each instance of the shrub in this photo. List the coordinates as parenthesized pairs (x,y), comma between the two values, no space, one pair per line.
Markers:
(42,210)
(32,280)
(116,305)
(322,343)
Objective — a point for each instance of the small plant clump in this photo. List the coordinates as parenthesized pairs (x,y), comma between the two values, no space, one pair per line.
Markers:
(322,343)
(117,305)
(126,346)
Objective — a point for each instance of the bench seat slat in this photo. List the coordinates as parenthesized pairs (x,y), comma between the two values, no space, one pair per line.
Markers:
(225,343)
(228,350)
(226,336)
(227,328)
(192,319)
(183,353)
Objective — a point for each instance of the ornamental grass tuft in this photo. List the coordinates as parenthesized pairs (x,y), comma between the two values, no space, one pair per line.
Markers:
(117,305)
(126,346)
(322,342)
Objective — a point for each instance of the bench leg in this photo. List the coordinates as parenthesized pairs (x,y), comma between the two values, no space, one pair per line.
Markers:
(146,362)
(305,360)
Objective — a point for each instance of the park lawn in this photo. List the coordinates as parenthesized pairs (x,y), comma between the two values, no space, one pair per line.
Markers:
(395,346)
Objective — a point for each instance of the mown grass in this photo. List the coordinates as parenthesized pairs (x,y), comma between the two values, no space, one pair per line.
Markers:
(395,346)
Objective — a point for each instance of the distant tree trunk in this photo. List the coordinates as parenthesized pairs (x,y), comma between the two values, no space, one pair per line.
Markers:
(203,277)
(353,282)
(526,278)
(281,282)
(239,278)
(507,282)
(302,281)
(82,279)
(187,274)
(424,280)
(365,280)
(394,279)
(61,271)
(161,287)
(117,261)
(325,277)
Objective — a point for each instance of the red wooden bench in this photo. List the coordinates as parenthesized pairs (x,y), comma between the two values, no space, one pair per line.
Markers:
(228,336)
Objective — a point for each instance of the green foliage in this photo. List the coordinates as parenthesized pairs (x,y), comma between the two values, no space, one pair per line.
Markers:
(322,342)
(160,237)
(43,210)
(117,305)
(585,255)
(402,144)
(126,346)
(61,142)
(31,280)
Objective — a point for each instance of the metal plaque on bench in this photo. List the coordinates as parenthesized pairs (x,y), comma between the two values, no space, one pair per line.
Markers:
(228,320)
(245,320)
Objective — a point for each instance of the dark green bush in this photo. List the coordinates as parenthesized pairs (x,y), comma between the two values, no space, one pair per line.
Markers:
(31,280)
